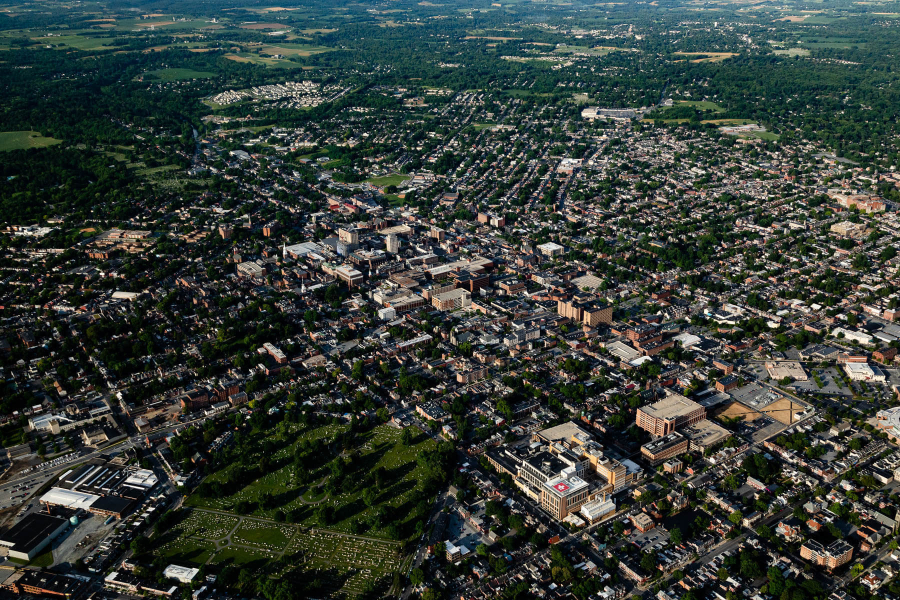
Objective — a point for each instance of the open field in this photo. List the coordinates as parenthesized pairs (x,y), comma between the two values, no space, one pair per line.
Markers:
(79,42)
(700,105)
(707,56)
(175,74)
(257,533)
(735,410)
(22,140)
(491,38)
(294,49)
(783,410)
(387,180)
(728,121)
(791,52)
(272,63)
(589,50)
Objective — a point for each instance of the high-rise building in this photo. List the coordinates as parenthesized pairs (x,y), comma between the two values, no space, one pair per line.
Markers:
(392,243)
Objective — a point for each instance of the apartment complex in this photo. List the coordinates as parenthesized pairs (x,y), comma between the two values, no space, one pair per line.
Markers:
(836,554)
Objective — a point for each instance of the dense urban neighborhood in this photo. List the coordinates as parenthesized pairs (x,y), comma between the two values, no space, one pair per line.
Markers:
(571,326)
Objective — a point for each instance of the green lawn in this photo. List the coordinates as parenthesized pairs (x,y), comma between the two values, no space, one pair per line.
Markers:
(45,559)
(766,135)
(185,550)
(81,42)
(700,105)
(264,61)
(176,74)
(259,533)
(22,140)
(240,556)
(393,179)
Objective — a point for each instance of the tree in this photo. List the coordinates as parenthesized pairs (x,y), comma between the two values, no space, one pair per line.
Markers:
(431,594)
(675,535)
(649,562)
(417,576)
(406,437)
(357,371)
(736,517)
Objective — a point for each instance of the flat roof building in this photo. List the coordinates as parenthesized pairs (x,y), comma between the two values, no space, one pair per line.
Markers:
(564,495)
(669,414)
(179,573)
(28,538)
(664,448)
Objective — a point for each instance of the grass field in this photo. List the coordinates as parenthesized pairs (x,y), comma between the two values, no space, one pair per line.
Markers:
(294,49)
(176,74)
(80,42)
(44,559)
(22,140)
(707,56)
(272,63)
(240,556)
(701,105)
(387,180)
(589,50)
(265,535)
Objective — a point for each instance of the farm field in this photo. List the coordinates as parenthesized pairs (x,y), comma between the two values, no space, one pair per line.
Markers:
(175,74)
(294,49)
(272,63)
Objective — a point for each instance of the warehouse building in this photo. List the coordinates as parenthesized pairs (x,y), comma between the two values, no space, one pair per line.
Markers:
(30,536)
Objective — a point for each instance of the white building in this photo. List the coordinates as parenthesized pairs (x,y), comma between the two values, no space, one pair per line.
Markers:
(551,249)
(863,372)
(392,243)
(181,574)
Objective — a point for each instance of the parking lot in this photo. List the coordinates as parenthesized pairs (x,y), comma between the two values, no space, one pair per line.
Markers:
(461,533)
(655,539)
(827,377)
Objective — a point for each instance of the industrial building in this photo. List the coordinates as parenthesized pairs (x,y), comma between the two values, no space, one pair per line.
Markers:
(28,538)
(100,487)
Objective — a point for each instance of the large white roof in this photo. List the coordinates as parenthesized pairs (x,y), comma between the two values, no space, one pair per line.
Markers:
(69,498)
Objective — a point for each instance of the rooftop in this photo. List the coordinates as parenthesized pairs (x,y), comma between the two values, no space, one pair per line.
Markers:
(671,407)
